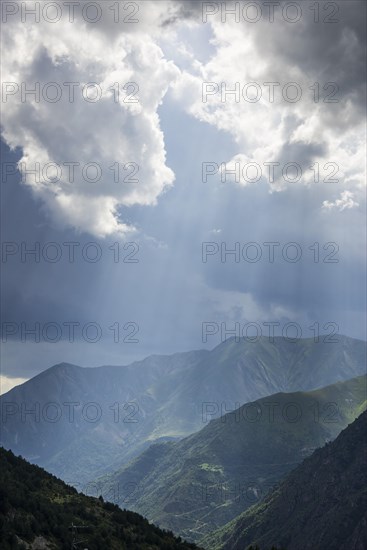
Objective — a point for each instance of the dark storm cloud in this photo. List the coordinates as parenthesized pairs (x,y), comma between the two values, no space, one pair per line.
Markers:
(327,52)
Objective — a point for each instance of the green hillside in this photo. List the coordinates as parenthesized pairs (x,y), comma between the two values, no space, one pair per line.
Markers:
(37,510)
(200,483)
(321,505)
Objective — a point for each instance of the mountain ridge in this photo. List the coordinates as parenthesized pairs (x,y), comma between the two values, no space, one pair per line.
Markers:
(37,511)
(320,505)
(198,483)
(161,397)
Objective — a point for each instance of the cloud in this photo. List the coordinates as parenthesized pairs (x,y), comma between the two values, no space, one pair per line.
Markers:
(346,201)
(111,134)
(296,96)
(117,144)
(7,383)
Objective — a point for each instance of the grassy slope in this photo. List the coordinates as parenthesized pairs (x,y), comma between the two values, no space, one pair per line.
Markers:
(198,484)
(321,505)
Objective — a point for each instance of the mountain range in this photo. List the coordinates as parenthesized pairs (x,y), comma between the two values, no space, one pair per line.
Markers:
(198,484)
(80,423)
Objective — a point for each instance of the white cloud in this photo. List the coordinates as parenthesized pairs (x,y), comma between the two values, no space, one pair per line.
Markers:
(305,131)
(346,201)
(108,131)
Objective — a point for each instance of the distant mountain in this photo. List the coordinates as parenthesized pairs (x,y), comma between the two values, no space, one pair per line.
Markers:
(321,505)
(37,511)
(203,481)
(87,418)
(89,421)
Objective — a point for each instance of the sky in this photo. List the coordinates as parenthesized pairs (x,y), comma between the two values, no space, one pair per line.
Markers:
(183,171)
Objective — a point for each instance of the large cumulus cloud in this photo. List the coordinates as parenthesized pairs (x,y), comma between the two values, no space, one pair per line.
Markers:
(114,128)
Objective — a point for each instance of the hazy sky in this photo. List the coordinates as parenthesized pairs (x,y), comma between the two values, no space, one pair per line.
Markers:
(152,180)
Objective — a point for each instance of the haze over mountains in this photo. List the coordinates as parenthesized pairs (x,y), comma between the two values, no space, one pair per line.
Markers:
(79,423)
(205,480)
